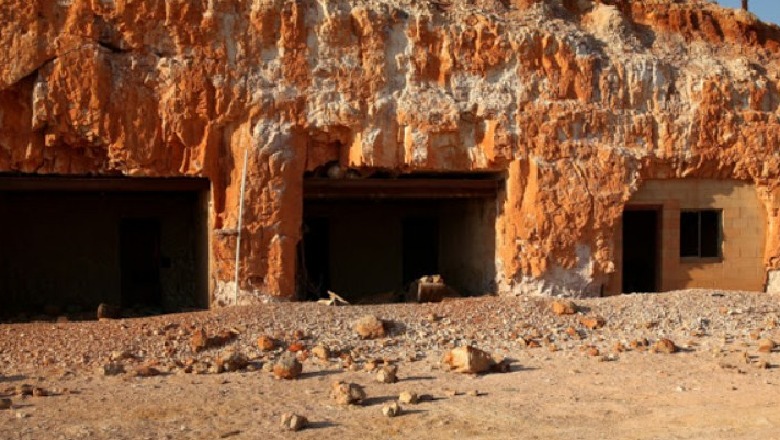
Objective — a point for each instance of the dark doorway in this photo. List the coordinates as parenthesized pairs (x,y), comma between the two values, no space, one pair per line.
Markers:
(69,244)
(139,243)
(315,257)
(420,247)
(368,239)
(641,250)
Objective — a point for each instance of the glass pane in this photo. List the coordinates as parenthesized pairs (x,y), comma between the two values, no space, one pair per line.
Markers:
(689,234)
(710,233)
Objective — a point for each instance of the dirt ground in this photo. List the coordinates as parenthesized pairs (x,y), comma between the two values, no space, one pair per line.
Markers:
(566,381)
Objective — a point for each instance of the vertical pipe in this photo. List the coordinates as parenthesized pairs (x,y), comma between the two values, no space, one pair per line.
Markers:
(240,222)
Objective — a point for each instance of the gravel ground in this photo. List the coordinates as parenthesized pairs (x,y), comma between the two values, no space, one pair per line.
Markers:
(566,380)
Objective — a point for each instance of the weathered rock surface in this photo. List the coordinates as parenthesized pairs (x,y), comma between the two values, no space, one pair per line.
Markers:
(577,101)
(293,422)
(468,360)
(391,409)
(564,307)
(593,322)
(370,327)
(232,360)
(112,369)
(287,367)
(146,371)
(321,352)
(387,374)
(266,343)
(200,340)
(665,345)
(766,345)
(345,393)
(722,357)
(408,397)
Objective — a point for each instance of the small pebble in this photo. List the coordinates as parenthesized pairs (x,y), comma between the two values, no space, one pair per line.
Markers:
(293,422)
(408,397)
(391,410)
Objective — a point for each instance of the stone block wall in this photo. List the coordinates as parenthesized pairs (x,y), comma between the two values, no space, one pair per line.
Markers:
(744,225)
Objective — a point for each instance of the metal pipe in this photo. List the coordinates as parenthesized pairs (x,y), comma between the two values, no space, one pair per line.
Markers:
(240,222)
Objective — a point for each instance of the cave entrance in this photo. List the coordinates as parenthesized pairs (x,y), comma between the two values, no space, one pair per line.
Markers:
(368,239)
(641,249)
(69,244)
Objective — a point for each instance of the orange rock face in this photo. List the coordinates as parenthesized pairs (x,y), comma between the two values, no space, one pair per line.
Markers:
(578,101)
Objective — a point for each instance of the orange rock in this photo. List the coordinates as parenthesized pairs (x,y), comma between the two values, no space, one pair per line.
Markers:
(468,360)
(198,340)
(293,422)
(222,338)
(564,307)
(321,352)
(370,327)
(665,346)
(146,371)
(296,347)
(232,361)
(593,322)
(387,374)
(287,367)
(266,343)
(345,393)
(766,345)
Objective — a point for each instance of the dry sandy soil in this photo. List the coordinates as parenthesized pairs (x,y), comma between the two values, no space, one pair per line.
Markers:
(718,386)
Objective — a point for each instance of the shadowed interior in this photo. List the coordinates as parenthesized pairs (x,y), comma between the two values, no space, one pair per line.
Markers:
(73,249)
(364,249)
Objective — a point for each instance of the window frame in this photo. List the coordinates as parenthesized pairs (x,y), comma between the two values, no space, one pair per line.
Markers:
(719,236)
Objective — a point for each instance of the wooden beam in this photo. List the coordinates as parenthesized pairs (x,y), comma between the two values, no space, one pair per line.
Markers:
(104,184)
(400,188)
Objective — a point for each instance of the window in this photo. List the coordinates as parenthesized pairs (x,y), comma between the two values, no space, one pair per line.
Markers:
(700,234)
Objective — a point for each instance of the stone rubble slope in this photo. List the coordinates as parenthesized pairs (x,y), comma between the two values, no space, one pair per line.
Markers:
(507,328)
(690,356)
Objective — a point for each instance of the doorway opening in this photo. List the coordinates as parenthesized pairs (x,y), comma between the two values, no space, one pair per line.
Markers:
(641,249)
(140,261)
(420,247)
(367,240)
(69,244)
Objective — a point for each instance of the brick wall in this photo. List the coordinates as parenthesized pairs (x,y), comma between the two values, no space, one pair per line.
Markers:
(744,225)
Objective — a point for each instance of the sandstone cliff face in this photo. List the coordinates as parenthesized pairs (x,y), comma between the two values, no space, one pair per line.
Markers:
(578,101)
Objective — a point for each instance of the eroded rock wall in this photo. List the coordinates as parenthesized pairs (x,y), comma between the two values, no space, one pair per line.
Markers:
(578,101)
